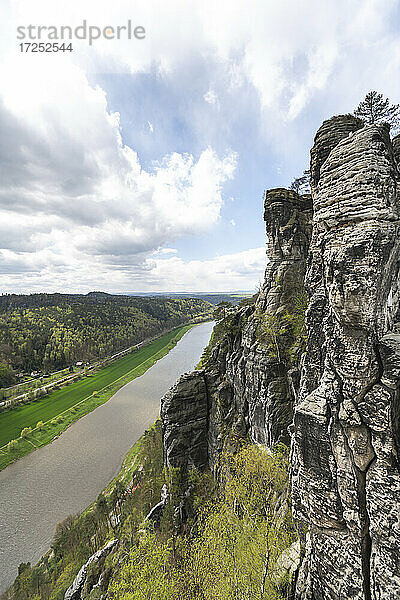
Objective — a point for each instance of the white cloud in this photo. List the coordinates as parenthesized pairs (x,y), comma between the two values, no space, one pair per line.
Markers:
(241,270)
(288,50)
(82,199)
(75,201)
(166,251)
(159,271)
(320,66)
(211,97)
(293,54)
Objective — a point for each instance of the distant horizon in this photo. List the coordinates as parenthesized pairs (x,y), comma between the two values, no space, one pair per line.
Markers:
(162,293)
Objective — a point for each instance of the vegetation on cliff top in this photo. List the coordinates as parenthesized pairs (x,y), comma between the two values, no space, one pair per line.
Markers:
(374,109)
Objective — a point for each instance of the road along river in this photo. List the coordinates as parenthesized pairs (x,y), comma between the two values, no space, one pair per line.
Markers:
(67,475)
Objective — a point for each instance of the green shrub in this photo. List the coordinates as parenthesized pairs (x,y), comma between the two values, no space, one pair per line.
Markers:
(12,445)
(26,431)
(39,425)
(240,533)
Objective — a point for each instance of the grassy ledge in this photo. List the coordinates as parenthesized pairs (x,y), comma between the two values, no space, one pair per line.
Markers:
(49,417)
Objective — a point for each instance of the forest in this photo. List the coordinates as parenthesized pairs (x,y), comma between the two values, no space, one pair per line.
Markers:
(45,332)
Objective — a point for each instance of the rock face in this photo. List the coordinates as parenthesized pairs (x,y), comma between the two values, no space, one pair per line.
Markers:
(288,225)
(345,450)
(344,406)
(184,418)
(327,137)
(74,592)
(244,388)
(396,148)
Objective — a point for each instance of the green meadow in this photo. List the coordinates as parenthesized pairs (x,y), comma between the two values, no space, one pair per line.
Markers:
(62,407)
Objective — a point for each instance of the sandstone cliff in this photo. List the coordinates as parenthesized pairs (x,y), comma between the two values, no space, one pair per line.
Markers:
(340,399)
(345,453)
(245,388)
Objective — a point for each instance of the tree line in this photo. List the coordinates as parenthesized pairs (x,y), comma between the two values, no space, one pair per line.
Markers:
(46,332)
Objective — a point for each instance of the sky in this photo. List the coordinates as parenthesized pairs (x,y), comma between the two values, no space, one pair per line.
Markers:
(140,165)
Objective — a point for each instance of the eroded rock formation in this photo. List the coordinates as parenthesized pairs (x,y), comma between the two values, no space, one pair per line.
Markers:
(396,148)
(184,415)
(244,388)
(346,426)
(345,458)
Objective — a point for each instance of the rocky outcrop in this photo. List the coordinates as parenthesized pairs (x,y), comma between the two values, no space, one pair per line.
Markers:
(396,148)
(250,386)
(327,137)
(345,451)
(345,404)
(245,388)
(74,592)
(184,418)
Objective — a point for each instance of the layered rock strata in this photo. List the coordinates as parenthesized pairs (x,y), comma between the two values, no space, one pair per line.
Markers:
(244,388)
(184,418)
(327,137)
(345,451)
(396,148)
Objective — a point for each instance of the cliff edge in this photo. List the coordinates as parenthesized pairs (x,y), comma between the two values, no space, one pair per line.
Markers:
(327,384)
(345,451)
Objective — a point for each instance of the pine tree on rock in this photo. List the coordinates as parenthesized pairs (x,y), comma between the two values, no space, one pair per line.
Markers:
(301,185)
(374,109)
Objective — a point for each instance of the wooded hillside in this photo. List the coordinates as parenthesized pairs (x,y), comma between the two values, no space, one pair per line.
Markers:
(50,331)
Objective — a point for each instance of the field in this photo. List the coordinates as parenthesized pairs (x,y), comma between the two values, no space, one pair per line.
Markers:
(70,403)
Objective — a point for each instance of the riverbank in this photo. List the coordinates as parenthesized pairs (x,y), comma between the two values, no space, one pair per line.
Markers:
(133,490)
(65,477)
(160,554)
(47,418)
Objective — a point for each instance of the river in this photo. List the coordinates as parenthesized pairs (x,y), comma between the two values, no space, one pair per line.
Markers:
(65,476)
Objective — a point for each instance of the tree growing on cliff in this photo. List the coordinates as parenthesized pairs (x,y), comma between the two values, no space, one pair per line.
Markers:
(301,185)
(374,109)
(237,547)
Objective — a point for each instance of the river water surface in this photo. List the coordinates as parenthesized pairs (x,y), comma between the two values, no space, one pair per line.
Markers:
(64,477)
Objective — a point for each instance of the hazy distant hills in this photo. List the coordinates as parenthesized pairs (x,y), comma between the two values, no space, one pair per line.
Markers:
(213,298)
